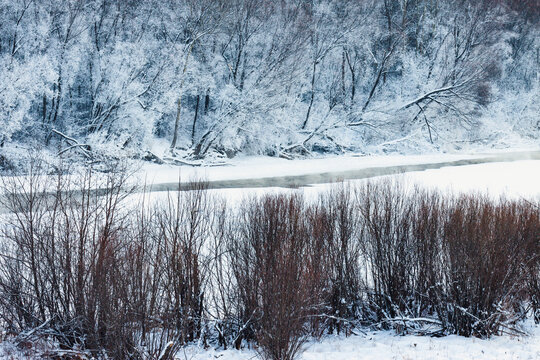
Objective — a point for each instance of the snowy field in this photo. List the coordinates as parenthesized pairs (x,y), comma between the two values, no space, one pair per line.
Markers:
(387,345)
(514,179)
(519,179)
(242,168)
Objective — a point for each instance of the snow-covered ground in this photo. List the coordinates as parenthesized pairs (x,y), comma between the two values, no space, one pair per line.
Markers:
(512,171)
(266,167)
(384,345)
(515,172)
(514,179)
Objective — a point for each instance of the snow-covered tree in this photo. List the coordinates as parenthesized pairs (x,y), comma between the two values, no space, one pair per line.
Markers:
(283,78)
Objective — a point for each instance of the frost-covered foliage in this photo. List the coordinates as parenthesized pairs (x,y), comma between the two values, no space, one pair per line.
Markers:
(275,77)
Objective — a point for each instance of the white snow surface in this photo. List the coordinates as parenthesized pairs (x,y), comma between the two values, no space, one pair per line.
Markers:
(249,167)
(383,345)
(513,179)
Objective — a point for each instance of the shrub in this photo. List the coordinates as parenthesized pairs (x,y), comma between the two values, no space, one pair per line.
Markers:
(274,274)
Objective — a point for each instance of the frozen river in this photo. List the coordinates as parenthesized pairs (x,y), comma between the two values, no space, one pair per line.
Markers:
(361,170)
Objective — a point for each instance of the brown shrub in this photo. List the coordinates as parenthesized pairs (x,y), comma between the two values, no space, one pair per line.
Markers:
(486,246)
(275,276)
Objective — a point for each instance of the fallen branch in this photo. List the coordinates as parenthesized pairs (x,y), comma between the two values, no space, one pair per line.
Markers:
(414,320)
(337,318)
(426,96)
(74,144)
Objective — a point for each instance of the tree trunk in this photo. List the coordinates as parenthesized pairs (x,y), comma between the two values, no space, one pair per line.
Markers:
(206,101)
(343,77)
(312,95)
(179,101)
(44,113)
(177,121)
(195,119)
(353,77)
